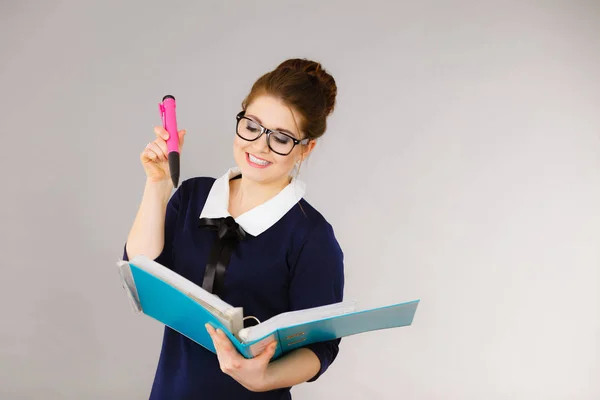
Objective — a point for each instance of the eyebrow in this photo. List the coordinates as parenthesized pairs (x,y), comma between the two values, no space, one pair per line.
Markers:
(276,129)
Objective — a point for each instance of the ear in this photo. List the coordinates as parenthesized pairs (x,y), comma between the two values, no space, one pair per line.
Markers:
(308,148)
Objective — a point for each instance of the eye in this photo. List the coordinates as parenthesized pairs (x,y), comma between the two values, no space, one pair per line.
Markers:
(252,126)
(281,138)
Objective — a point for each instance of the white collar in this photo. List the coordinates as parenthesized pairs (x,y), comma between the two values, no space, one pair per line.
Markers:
(260,218)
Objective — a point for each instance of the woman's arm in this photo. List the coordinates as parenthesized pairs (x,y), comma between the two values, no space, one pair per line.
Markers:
(258,374)
(296,367)
(317,279)
(147,233)
(156,212)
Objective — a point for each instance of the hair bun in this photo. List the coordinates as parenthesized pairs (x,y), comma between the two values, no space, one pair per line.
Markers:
(315,70)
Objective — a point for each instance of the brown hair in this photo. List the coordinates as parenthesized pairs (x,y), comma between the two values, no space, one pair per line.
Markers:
(305,87)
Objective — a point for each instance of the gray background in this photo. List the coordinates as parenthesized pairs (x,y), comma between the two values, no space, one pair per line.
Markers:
(461,167)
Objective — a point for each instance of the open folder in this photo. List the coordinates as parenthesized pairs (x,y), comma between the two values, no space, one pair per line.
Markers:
(185,307)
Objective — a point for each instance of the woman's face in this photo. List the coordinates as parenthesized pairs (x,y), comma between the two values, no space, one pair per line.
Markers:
(255,159)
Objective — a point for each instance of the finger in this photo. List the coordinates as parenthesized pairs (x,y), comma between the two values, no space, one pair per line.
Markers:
(226,362)
(209,328)
(161,132)
(162,145)
(154,153)
(182,137)
(214,337)
(268,353)
(224,351)
(224,340)
(218,349)
(211,331)
(229,359)
(149,155)
(162,155)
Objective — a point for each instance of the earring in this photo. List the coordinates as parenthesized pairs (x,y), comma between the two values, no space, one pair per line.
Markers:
(296,168)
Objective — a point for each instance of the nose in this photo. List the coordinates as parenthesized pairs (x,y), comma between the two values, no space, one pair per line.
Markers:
(260,144)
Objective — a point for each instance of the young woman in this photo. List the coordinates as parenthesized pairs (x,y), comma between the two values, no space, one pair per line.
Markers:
(249,237)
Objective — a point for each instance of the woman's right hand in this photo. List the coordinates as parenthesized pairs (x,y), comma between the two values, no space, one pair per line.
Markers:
(155,156)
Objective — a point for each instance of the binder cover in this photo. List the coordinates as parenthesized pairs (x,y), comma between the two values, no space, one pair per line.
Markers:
(166,302)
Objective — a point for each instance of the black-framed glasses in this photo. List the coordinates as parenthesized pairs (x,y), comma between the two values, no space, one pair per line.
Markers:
(279,142)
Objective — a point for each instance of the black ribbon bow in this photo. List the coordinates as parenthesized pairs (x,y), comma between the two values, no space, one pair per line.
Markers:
(229,233)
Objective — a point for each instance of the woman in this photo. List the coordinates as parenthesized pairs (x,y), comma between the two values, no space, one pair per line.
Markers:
(283,253)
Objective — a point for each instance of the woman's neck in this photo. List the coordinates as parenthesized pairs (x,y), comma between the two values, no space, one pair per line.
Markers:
(245,194)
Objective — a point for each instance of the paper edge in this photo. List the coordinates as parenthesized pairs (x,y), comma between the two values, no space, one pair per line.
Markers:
(128,284)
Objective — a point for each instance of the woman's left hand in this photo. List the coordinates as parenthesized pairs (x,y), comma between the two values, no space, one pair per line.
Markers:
(250,373)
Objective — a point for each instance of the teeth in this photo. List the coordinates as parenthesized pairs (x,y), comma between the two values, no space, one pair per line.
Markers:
(258,161)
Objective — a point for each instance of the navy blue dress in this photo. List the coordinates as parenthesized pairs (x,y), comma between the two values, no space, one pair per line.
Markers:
(290,260)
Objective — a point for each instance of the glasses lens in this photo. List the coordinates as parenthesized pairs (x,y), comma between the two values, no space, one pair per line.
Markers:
(278,142)
(248,129)
(281,143)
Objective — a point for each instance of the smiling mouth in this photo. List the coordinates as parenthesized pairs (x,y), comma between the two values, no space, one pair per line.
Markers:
(257,162)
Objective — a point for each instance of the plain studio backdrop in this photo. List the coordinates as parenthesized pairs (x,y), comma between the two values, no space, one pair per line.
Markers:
(461,167)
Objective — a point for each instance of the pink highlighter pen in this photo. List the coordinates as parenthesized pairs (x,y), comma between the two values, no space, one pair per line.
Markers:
(167,113)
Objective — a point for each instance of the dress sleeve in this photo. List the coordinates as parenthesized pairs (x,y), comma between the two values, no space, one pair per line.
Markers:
(317,280)
(171,216)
